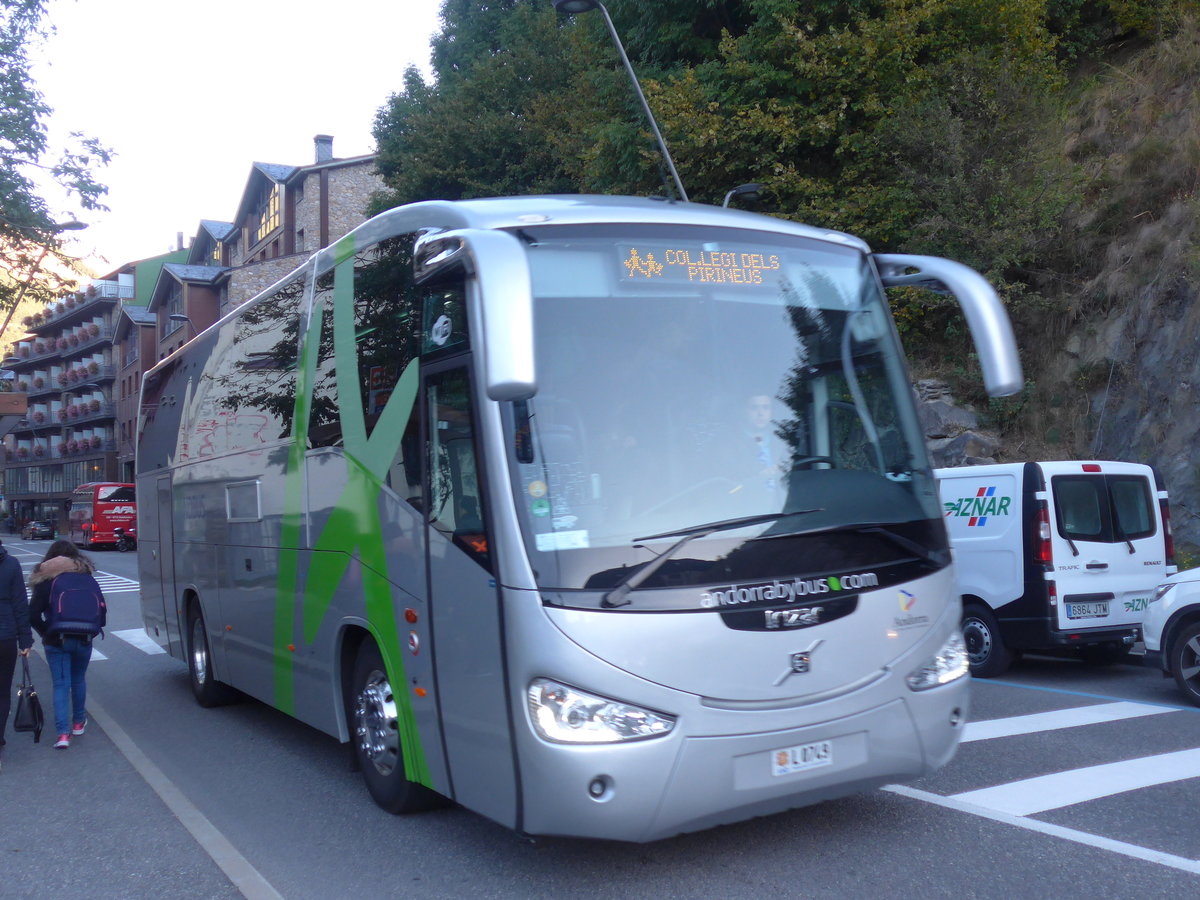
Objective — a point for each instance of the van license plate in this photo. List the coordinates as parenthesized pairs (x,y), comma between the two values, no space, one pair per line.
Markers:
(804,756)
(1087,610)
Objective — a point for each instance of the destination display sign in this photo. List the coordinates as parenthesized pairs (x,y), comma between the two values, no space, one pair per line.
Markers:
(697,264)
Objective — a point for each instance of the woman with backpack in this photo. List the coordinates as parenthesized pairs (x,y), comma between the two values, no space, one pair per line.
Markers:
(15,636)
(68,653)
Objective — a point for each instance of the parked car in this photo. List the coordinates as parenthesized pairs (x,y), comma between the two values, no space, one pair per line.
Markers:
(38,531)
(1171,630)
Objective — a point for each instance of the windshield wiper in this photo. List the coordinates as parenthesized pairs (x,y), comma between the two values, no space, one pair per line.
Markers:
(886,530)
(619,595)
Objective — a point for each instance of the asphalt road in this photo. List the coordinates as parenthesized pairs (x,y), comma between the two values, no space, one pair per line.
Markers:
(1073,782)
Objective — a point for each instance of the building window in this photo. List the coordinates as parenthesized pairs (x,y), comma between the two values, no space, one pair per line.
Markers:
(174,306)
(215,256)
(267,214)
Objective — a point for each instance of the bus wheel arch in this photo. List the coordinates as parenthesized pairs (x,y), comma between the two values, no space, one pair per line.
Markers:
(205,688)
(986,650)
(373,716)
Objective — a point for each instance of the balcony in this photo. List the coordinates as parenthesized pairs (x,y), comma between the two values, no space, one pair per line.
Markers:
(77,307)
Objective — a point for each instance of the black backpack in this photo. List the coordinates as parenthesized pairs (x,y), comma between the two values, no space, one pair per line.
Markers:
(76,605)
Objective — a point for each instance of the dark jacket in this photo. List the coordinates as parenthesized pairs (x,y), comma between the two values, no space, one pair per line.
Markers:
(39,579)
(14,602)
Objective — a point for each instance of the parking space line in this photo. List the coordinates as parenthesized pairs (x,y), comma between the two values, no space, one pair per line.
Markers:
(1133,851)
(1072,717)
(1035,795)
(236,867)
(1053,690)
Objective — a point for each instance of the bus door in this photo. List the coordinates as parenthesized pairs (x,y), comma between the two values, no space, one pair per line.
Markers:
(164,530)
(465,600)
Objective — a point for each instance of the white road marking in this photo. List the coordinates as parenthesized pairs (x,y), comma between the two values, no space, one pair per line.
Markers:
(236,867)
(1060,718)
(115,584)
(138,638)
(1069,834)
(1035,795)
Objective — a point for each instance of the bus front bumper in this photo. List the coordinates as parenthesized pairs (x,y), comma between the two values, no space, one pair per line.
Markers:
(653,789)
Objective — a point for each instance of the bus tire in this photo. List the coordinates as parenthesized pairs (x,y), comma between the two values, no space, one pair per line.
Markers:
(985,648)
(373,715)
(1184,660)
(205,688)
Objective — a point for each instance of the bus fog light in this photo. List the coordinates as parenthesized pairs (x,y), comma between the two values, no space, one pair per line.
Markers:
(570,716)
(948,664)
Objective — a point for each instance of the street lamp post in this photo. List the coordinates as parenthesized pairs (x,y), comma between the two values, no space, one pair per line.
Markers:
(180,317)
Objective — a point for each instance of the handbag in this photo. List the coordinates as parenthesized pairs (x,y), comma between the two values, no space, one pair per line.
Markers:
(29,715)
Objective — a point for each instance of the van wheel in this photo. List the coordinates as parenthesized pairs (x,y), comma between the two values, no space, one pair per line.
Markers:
(985,648)
(207,690)
(374,717)
(1104,654)
(1185,662)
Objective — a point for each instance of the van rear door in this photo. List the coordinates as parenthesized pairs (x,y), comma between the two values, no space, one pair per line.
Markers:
(1108,543)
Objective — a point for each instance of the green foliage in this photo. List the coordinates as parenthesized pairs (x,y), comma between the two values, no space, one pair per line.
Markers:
(928,126)
(28,230)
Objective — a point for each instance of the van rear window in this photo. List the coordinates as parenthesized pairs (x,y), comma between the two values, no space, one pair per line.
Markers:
(1103,508)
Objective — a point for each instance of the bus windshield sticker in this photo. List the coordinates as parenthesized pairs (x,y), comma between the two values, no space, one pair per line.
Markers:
(563,540)
(696,264)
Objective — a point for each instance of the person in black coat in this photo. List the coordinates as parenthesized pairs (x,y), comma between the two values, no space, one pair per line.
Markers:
(16,637)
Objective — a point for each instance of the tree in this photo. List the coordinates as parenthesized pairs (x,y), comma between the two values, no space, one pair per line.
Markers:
(29,227)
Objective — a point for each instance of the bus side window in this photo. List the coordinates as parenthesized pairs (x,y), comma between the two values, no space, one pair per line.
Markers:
(404,474)
(386,317)
(456,507)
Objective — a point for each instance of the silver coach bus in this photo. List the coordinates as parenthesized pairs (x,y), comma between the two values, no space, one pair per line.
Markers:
(599,516)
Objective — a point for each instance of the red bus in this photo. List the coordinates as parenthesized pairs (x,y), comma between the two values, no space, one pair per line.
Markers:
(99,507)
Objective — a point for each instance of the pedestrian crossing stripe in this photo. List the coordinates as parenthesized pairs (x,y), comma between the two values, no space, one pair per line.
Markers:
(138,638)
(1046,792)
(1073,717)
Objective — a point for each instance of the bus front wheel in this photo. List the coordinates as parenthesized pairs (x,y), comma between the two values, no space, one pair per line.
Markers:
(375,731)
(985,648)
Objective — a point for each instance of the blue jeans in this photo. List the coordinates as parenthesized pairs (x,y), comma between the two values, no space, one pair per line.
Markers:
(68,666)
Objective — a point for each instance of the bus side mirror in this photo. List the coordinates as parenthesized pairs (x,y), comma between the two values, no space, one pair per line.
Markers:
(985,314)
(500,314)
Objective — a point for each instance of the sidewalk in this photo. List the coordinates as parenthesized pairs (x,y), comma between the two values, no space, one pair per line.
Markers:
(89,808)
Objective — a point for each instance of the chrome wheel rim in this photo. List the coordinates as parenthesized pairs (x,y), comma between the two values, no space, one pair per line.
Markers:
(376,723)
(979,640)
(199,651)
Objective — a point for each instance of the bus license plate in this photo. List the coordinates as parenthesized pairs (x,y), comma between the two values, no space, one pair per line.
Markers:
(802,757)
(1087,610)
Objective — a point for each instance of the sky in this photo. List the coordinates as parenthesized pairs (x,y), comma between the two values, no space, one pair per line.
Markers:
(190,95)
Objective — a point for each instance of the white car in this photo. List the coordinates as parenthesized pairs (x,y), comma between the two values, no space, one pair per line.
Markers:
(1171,629)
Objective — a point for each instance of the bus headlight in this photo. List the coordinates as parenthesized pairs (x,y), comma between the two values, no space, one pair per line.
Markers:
(946,665)
(570,716)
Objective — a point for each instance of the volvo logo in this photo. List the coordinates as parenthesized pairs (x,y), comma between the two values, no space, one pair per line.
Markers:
(801,662)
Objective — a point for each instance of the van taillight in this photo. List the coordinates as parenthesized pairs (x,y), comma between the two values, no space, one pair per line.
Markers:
(1052,592)
(1091,467)
(1170,538)
(1044,553)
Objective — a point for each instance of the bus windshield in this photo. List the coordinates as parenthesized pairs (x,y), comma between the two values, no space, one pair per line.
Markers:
(736,400)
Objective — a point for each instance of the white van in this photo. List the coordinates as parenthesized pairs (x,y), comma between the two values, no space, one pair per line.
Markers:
(1055,554)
